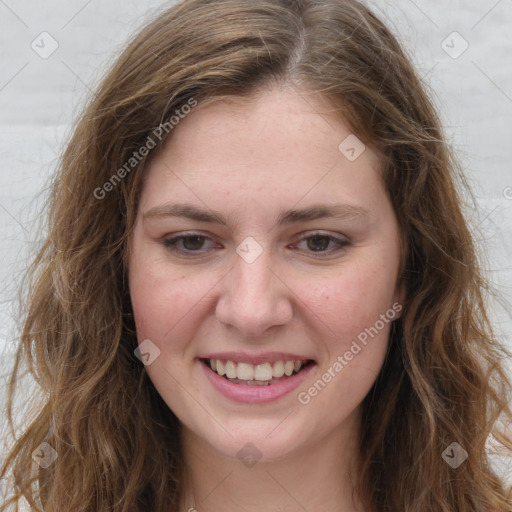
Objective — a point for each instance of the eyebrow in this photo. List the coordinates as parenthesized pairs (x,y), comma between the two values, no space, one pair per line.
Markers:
(315,212)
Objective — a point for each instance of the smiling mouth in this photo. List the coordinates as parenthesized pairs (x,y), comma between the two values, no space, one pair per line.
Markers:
(264,374)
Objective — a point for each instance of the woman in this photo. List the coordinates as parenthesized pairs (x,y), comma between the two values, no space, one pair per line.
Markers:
(258,291)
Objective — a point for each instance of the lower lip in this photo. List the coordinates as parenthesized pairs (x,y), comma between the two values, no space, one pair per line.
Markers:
(255,394)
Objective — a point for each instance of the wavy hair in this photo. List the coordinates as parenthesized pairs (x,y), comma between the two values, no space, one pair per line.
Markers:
(444,378)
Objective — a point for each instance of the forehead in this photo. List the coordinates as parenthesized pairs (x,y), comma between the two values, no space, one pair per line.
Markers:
(278,145)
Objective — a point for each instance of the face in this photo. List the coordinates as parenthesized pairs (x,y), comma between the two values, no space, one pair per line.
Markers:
(260,244)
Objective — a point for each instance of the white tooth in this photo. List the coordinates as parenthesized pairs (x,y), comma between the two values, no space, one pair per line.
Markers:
(278,369)
(288,368)
(245,371)
(263,371)
(220,367)
(213,364)
(230,370)
(297,365)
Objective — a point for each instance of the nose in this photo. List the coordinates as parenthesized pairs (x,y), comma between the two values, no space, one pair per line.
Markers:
(253,298)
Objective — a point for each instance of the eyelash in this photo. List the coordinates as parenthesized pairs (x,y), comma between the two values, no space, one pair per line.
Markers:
(171,243)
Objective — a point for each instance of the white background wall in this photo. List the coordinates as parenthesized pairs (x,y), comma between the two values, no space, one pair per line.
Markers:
(39,98)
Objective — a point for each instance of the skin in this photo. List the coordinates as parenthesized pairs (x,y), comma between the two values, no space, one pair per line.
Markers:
(249,160)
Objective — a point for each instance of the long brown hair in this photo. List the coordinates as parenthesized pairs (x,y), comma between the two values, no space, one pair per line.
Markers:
(443,381)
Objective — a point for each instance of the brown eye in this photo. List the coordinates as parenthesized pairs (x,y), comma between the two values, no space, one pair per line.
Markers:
(318,242)
(193,242)
(322,244)
(188,244)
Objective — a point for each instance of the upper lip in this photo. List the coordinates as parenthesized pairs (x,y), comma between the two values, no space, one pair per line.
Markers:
(266,357)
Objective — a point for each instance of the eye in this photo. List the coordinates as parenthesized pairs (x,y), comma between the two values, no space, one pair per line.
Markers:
(191,243)
(322,243)
(196,244)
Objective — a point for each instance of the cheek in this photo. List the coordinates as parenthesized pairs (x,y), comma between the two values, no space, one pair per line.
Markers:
(346,314)
(164,301)
(351,313)
(350,300)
